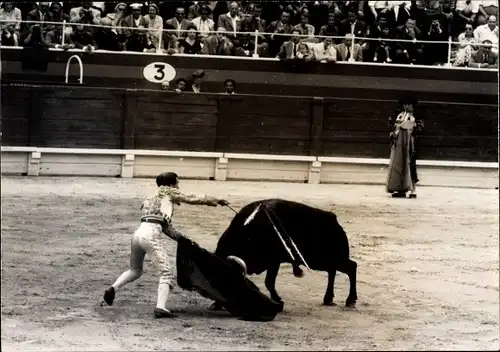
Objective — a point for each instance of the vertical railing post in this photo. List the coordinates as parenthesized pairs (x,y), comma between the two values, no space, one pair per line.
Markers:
(158,49)
(255,53)
(63,39)
(449,52)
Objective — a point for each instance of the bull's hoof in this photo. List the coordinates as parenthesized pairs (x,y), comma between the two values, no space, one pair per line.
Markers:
(281,304)
(329,302)
(350,303)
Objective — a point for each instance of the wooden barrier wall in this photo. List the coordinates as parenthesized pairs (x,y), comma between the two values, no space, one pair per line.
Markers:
(129,119)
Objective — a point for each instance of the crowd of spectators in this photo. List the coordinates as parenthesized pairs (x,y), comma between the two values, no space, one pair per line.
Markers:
(383,31)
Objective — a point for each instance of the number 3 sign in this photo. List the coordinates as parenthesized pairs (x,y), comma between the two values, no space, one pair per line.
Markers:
(158,72)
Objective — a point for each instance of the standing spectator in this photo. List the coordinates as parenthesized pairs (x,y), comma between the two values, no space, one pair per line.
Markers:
(436,53)
(466,11)
(487,8)
(306,29)
(282,26)
(11,28)
(346,6)
(217,8)
(179,22)
(352,25)
(379,7)
(118,16)
(217,44)
(229,86)
(348,50)
(85,14)
(401,12)
(195,84)
(408,52)
(489,32)
(54,33)
(231,21)
(250,25)
(39,14)
(484,57)
(107,38)
(325,51)
(289,49)
(467,46)
(191,44)
(134,20)
(203,23)
(154,23)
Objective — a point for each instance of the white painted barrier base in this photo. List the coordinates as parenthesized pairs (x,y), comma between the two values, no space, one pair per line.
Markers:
(34,161)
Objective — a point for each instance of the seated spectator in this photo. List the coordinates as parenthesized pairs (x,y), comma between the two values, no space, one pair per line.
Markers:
(39,14)
(180,85)
(165,86)
(466,12)
(282,26)
(408,52)
(487,8)
(489,32)
(12,27)
(306,30)
(231,21)
(118,16)
(195,84)
(217,44)
(436,53)
(376,35)
(250,24)
(352,25)
(83,38)
(303,52)
(484,57)
(467,46)
(85,14)
(203,23)
(170,40)
(54,33)
(180,23)
(191,44)
(289,49)
(134,20)
(349,51)
(107,38)
(383,47)
(330,29)
(229,86)
(154,23)
(35,54)
(324,51)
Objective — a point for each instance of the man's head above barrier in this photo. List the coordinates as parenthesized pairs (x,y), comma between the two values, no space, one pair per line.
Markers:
(169,179)
(492,22)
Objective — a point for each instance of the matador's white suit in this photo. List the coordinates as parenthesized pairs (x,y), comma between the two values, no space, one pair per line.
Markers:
(150,238)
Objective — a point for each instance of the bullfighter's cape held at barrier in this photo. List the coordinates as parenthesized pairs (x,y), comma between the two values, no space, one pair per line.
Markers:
(215,278)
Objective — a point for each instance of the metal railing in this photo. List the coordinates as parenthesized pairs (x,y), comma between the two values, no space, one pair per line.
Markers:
(80,64)
(256,35)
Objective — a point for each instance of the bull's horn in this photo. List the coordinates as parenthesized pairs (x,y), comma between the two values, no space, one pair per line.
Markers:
(239,262)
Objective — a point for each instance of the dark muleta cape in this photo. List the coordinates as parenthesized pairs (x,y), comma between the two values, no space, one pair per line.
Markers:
(217,279)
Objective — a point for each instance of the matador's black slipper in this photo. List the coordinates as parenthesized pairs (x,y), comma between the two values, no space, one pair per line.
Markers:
(109,296)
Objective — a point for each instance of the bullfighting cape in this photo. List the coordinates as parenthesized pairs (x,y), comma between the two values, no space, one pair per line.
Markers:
(215,278)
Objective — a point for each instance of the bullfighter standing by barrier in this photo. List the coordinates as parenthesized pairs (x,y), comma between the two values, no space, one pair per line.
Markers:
(150,238)
(404,130)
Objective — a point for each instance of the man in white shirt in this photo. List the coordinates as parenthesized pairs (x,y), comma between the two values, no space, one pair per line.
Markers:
(489,32)
(231,21)
(203,23)
(150,238)
(325,51)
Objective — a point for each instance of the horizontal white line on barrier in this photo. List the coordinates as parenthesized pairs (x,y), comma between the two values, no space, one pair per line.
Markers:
(245,156)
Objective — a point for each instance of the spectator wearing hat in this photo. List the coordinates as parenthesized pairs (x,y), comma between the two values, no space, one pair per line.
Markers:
(129,25)
(154,23)
(11,28)
(217,44)
(179,22)
(195,84)
(203,23)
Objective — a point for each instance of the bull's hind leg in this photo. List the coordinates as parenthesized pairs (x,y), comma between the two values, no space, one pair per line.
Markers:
(271,275)
(349,267)
(328,299)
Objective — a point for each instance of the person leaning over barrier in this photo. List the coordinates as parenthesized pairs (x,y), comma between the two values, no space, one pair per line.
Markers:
(150,239)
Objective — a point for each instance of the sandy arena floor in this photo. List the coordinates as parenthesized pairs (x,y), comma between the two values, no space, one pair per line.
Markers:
(428,271)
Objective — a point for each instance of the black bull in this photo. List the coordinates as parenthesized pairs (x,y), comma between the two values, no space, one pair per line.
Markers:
(316,233)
